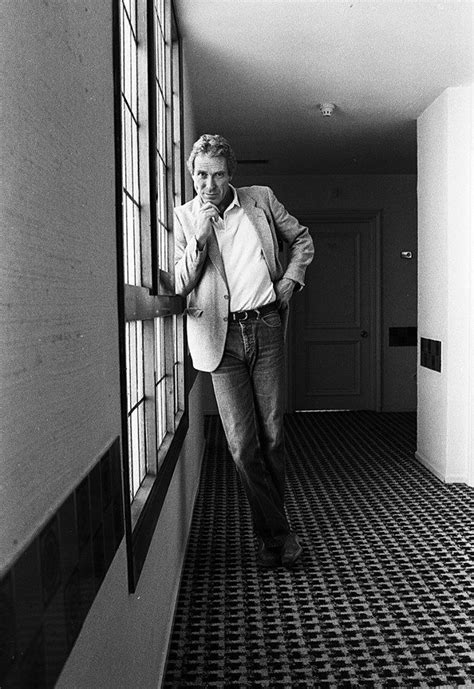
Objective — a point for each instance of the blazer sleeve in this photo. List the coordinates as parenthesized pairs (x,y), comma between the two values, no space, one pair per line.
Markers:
(188,259)
(298,238)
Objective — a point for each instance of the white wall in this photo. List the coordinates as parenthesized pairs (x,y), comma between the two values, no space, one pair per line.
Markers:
(445,304)
(470,452)
(59,342)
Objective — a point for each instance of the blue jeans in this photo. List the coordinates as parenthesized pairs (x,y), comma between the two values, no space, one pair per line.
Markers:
(248,386)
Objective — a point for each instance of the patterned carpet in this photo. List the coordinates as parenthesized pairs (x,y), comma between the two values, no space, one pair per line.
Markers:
(382,595)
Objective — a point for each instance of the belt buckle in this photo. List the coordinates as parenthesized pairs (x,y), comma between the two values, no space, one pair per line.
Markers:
(245,317)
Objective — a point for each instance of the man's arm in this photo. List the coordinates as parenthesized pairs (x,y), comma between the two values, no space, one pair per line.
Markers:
(189,259)
(192,232)
(298,238)
(284,289)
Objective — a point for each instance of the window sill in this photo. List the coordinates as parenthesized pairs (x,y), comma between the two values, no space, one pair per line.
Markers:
(145,510)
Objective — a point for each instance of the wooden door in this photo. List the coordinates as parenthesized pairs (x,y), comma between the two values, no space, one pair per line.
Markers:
(334,362)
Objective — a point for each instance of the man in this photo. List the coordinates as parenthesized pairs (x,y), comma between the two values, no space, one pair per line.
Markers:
(227,264)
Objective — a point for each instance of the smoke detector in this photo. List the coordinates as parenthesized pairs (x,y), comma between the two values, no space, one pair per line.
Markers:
(327,109)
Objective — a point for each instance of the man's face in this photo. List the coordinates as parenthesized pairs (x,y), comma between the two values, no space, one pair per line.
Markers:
(211,178)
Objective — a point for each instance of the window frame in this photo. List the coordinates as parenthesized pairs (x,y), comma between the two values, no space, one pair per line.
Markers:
(156,299)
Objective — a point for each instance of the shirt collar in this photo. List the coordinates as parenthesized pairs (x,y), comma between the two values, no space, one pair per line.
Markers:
(235,200)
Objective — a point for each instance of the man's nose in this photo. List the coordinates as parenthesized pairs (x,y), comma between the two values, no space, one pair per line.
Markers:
(210,182)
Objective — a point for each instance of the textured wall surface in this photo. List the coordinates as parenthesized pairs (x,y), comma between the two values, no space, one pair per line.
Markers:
(59,349)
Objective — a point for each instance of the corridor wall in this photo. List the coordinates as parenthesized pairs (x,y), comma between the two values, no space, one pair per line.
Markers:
(61,417)
(446,304)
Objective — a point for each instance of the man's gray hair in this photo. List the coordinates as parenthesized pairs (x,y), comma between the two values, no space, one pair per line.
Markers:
(213,145)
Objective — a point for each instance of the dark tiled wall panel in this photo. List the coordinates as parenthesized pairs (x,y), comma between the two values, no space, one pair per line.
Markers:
(430,354)
(45,597)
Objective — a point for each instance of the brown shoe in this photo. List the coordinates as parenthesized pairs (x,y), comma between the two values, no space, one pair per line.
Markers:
(291,550)
(268,557)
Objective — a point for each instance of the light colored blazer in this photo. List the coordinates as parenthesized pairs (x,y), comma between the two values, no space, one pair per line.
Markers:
(200,276)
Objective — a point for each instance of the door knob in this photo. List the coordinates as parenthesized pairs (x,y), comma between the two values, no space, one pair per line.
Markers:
(364,333)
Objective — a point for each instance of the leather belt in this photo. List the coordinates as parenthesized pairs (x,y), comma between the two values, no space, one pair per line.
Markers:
(253,313)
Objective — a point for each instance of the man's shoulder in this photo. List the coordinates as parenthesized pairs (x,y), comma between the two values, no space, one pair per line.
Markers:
(185,212)
(258,193)
(254,190)
(185,206)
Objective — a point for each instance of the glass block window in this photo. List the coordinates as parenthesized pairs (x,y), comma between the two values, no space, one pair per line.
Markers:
(151,171)
(130,154)
(162,68)
(136,406)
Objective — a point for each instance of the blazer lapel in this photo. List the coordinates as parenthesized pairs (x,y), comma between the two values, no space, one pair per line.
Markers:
(212,246)
(214,254)
(259,221)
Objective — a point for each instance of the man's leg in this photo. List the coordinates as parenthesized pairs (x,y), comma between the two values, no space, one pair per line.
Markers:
(268,389)
(268,373)
(234,389)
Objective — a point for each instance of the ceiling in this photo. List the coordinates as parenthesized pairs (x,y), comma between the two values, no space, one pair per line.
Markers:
(259,69)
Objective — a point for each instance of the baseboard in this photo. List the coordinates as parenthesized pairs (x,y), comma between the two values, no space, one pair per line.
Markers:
(428,465)
(445,478)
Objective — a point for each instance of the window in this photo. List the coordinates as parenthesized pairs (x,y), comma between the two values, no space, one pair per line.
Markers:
(150,182)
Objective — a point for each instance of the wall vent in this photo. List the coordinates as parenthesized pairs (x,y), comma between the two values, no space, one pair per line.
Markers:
(430,354)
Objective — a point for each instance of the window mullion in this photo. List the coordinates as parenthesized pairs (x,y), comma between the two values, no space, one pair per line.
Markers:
(151,142)
(161,95)
(160,384)
(150,401)
(169,353)
(145,130)
(169,135)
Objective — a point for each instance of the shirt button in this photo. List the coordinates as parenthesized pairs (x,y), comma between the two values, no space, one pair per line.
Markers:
(225,318)
(226,296)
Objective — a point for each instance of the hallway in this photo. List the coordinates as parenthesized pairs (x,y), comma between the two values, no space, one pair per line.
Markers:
(102,418)
(381,595)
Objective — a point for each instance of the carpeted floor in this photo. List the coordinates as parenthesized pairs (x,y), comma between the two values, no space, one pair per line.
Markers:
(382,595)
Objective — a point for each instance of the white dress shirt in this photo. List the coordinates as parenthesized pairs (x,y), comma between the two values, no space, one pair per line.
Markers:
(248,278)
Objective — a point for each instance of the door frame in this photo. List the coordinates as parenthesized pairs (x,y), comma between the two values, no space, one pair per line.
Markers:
(374,217)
